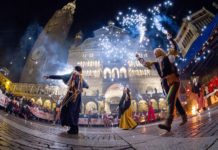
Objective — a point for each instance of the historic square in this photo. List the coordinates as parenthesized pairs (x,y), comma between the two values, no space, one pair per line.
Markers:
(113,74)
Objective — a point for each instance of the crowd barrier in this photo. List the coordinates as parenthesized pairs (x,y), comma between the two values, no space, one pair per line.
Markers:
(83,120)
(4,100)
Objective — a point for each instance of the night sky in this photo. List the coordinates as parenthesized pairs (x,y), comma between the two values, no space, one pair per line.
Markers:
(20,19)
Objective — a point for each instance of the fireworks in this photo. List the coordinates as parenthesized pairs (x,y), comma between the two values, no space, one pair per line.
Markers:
(157,18)
(158,25)
(116,45)
(144,26)
(139,23)
(133,21)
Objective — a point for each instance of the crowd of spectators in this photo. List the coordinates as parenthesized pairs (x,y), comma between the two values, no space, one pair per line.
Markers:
(20,106)
(212,85)
(203,92)
(110,120)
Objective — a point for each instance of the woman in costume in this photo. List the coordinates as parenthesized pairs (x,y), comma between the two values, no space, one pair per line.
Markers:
(126,121)
(150,111)
(72,101)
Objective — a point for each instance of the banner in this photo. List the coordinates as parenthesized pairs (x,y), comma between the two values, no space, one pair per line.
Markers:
(94,121)
(83,121)
(4,100)
(41,114)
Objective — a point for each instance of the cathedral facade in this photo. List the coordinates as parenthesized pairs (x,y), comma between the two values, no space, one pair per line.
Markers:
(107,76)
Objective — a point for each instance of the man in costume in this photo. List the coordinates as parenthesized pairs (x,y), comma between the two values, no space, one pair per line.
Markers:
(196,89)
(169,80)
(72,101)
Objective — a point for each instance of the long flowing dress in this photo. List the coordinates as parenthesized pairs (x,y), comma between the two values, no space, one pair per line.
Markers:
(150,112)
(126,121)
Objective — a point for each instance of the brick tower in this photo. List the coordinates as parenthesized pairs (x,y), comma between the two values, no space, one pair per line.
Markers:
(48,53)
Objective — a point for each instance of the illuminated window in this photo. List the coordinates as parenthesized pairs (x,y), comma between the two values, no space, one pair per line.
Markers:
(91,55)
(142,106)
(123,72)
(154,104)
(84,55)
(107,73)
(145,55)
(91,107)
(115,73)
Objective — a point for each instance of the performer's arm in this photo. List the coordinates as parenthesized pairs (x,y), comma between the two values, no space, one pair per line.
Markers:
(58,77)
(173,52)
(55,77)
(85,85)
(172,42)
(144,63)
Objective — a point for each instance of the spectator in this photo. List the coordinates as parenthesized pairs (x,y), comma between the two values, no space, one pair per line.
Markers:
(196,89)
(105,119)
(89,119)
(150,111)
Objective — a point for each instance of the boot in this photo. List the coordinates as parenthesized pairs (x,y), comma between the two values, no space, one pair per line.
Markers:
(76,130)
(71,130)
(184,120)
(167,125)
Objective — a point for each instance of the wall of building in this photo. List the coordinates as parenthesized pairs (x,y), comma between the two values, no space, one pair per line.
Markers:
(5,82)
(48,53)
(191,28)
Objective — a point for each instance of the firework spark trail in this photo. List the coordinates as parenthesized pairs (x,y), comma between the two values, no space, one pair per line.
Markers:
(156,17)
(135,21)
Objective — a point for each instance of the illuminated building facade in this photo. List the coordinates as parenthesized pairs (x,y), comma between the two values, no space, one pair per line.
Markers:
(5,81)
(191,28)
(107,76)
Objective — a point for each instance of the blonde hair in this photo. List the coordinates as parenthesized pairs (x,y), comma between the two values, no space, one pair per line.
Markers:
(160,51)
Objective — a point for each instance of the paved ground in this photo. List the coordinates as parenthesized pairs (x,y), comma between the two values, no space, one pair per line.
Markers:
(201,132)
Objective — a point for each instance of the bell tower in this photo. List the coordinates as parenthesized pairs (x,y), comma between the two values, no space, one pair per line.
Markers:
(47,54)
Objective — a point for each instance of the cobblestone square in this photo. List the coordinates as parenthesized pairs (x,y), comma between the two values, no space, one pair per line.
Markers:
(199,133)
